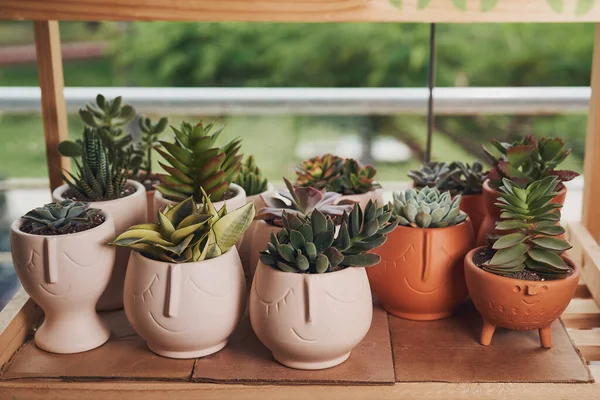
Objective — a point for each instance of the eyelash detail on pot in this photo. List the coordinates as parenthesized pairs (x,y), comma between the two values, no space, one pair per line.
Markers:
(275,304)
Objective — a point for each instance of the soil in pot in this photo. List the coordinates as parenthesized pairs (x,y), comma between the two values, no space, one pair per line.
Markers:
(28,228)
(74,195)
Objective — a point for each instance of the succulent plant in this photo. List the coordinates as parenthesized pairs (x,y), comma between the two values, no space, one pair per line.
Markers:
(303,201)
(60,216)
(532,222)
(527,160)
(196,164)
(427,208)
(470,178)
(434,175)
(310,245)
(356,178)
(188,232)
(148,140)
(98,176)
(251,178)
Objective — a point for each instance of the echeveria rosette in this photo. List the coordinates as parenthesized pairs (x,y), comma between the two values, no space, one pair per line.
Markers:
(356,179)
(532,222)
(308,244)
(60,216)
(427,208)
(320,172)
(469,179)
(434,175)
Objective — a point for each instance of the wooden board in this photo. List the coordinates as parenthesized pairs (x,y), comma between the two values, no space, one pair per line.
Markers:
(306,10)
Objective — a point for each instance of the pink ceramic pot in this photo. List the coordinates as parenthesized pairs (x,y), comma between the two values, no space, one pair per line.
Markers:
(310,321)
(126,211)
(364,198)
(256,239)
(65,275)
(185,310)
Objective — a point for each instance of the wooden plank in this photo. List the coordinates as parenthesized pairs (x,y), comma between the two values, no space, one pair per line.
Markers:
(588,342)
(50,71)
(581,321)
(586,253)
(591,167)
(305,10)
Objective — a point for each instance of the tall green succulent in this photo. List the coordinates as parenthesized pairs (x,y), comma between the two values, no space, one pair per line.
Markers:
(251,178)
(427,208)
(434,175)
(310,245)
(532,222)
(61,215)
(188,232)
(470,178)
(98,176)
(148,140)
(196,163)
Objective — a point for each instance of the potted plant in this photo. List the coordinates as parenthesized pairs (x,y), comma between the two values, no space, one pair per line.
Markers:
(435,174)
(60,256)
(185,290)
(523,162)
(310,302)
(420,276)
(196,165)
(345,176)
(523,281)
(301,201)
(101,179)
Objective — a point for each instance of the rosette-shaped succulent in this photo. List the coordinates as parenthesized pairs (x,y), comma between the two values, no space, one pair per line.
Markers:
(470,178)
(251,178)
(356,179)
(319,171)
(61,215)
(434,175)
(427,208)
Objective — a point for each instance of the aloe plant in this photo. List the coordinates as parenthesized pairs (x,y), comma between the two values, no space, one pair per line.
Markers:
(434,175)
(60,216)
(251,178)
(188,232)
(427,208)
(308,244)
(532,222)
(302,201)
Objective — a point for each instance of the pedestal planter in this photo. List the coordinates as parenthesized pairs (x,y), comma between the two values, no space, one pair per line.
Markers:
(518,304)
(310,321)
(185,310)
(65,275)
(474,206)
(421,276)
(364,198)
(126,211)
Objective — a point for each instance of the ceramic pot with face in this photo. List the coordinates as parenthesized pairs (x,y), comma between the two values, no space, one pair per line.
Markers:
(310,321)
(421,276)
(65,275)
(126,211)
(364,198)
(474,207)
(185,310)
(518,304)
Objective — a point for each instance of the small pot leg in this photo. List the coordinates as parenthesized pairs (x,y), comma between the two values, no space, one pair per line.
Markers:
(546,336)
(487,331)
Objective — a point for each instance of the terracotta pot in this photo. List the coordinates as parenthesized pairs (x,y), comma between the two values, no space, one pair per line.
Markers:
(518,304)
(473,205)
(364,198)
(492,212)
(65,275)
(185,310)
(420,276)
(126,211)
(310,321)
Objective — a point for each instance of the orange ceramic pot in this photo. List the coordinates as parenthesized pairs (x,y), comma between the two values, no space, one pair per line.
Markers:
(421,276)
(492,212)
(473,205)
(518,304)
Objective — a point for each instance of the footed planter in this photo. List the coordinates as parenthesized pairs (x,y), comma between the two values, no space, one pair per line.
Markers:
(186,310)
(474,206)
(421,276)
(65,275)
(126,211)
(363,198)
(310,321)
(518,304)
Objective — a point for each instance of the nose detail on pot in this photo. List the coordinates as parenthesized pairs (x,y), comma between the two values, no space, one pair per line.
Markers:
(532,290)
(51,257)
(173,291)
(309,299)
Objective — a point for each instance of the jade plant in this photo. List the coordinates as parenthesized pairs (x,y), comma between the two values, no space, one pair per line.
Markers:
(427,208)
(309,244)
(531,220)
(434,175)
(188,232)
(302,201)
(60,217)
(469,179)
(527,160)
(251,178)
(197,165)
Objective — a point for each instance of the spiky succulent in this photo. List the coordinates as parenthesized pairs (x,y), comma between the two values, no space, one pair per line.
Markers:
(470,178)
(148,140)
(251,178)
(302,201)
(532,222)
(61,215)
(309,244)
(434,175)
(98,176)
(196,163)
(427,208)
(527,160)
(188,232)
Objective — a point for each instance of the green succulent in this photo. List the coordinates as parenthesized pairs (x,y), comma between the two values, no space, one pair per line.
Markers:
(434,175)
(251,178)
(148,140)
(188,232)
(532,224)
(98,176)
(197,165)
(427,208)
(470,178)
(308,244)
(61,215)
